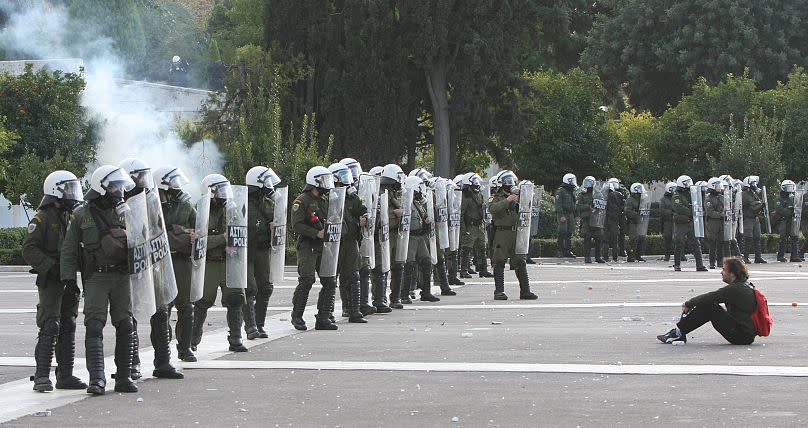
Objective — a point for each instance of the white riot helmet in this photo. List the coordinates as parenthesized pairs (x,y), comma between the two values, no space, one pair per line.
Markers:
(139,172)
(261,178)
(63,187)
(475,181)
(354,166)
(459,180)
(112,182)
(670,187)
(392,174)
(342,174)
(589,182)
(613,183)
(508,181)
(319,177)
(169,178)
(788,186)
(751,181)
(420,173)
(637,188)
(701,184)
(716,184)
(494,181)
(376,170)
(219,187)
(684,182)
(416,184)
(727,179)
(570,179)
(175,59)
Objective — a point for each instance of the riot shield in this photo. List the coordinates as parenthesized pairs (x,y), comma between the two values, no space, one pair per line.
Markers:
(403,243)
(737,227)
(535,210)
(384,233)
(200,246)
(442,215)
(795,222)
(165,284)
(525,215)
(277,249)
(454,199)
(599,198)
(645,213)
(766,214)
(485,189)
(140,273)
(369,195)
(236,251)
(430,214)
(333,233)
(698,211)
(729,214)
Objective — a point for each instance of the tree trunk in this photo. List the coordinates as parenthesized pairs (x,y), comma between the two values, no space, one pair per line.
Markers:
(436,83)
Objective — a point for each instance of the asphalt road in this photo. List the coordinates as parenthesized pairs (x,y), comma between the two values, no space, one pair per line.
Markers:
(584,354)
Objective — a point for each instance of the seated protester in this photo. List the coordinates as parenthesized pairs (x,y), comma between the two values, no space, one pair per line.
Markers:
(734,322)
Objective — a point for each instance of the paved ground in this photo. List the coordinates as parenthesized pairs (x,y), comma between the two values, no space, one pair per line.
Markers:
(584,354)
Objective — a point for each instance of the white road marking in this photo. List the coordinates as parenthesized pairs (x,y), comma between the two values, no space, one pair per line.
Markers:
(81,309)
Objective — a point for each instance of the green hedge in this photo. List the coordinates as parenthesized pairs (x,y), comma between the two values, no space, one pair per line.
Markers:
(11,246)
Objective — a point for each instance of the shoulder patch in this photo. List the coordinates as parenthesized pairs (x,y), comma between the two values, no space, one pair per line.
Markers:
(31,227)
(295,206)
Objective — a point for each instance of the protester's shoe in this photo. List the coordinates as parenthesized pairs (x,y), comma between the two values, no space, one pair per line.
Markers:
(672,336)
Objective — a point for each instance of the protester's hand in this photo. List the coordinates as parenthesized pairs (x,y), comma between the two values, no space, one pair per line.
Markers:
(685,309)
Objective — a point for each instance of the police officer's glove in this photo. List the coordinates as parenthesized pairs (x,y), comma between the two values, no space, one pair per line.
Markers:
(71,286)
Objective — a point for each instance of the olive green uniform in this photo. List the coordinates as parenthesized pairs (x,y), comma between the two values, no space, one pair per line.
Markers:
(58,305)
(396,268)
(216,278)
(714,229)
(180,219)
(309,215)
(565,212)
(583,207)
(419,259)
(615,203)
(785,211)
(683,228)
(349,259)
(472,235)
(106,288)
(632,215)
(505,216)
(753,205)
(260,215)
(665,208)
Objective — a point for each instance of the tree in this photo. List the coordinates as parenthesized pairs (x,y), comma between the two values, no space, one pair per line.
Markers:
(7,139)
(754,149)
(792,99)
(631,139)
(659,49)
(55,131)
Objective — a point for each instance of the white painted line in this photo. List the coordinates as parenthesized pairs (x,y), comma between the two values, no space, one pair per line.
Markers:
(18,275)
(649,281)
(644,268)
(213,309)
(19,291)
(624,369)
(558,305)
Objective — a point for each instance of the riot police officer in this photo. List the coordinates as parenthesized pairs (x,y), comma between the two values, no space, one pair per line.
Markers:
(715,213)
(665,207)
(180,219)
(309,216)
(392,177)
(378,275)
(471,218)
(785,212)
(683,224)
(418,256)
(504,207)
(615,204)
(58,304)
(565,212)
(584,206)
(95,244)
(364,263)
(753,205)
(633,219)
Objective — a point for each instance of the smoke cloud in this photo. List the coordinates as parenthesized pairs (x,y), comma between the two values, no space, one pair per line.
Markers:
(134,125)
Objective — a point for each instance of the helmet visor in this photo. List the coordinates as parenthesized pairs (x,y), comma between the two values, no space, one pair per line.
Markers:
(117,182)
(71,189)
(507,180)
(223,191)
(344,177)
(325,181)
(175,180)
(355,170)
(143,178)
(790,187)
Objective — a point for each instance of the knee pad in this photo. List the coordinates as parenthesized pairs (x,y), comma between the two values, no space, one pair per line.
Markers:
(51,327)
(305,282)
(125,326)
(518,263)
(232,300)
(161,315)
(425,263)
(95,328)
(329,283)
(203,303)
(67,324)
(250,291)
(185,310)
(364,271)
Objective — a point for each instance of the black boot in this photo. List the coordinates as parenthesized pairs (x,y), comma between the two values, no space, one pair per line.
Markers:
(200,315)
(640,248)
(185,327)
(124,350)
(499,281)
(747,246)
(354,313)
(406,280)
(66,355)
(587,248)
(94,350)
(248,313)
(442,278)
(299,300)
(234,324)
(451,267)
(795,256)
(379,282)
(261,305)
(698,256)
(135,373)
(598,258)
(482,265)
(677,258)
(325,304)
(758,250)
(524,282)
(395,286)
(465,263)
(160,342)
(364,292)
(43,354)
(781,253)
(426,275)
(344,298)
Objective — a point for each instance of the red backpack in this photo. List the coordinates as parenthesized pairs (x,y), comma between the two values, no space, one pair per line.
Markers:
(761,318)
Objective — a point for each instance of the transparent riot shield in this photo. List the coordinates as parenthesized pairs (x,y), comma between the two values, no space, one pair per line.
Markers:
(525,215)
(199,251)
(454,199)
(403,243)
(538,191)
(645,213)
(599,198)
(442,214)
(729,214)
(369,195)
(485,189)
(430,214)
(384,233)
(236,251)
(795,222)
(277,249)
(766,213)
(698,211)
(333,233)
(165,284)
(737,201)
(140,272)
